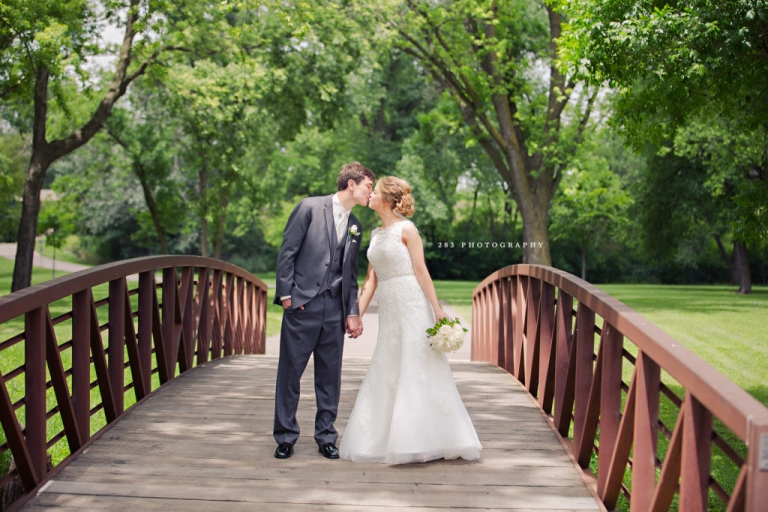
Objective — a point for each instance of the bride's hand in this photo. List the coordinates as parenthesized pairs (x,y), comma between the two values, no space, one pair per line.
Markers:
(440,314)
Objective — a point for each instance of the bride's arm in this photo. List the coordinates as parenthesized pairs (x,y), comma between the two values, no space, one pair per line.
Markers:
(412,240)
(366,294)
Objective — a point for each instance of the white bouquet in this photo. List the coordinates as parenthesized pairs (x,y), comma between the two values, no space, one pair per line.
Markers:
(447,335)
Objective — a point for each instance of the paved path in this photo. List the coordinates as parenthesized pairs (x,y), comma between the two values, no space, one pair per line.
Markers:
(8,251)
(204,443)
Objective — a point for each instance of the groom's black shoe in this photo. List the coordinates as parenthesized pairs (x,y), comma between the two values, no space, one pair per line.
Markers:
(329,451)
(284,450)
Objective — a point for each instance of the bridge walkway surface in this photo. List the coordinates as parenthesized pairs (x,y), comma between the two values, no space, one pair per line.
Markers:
(203,442)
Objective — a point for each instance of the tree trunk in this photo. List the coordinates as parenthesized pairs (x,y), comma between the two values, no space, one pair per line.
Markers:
(203,179)
(220,221)
(149,198)
(44,153)
(741,266)
(30,210)
(728,261)
(584,262)
(30,206)
(491,223)
(535,235)
(472,214)
(497,127)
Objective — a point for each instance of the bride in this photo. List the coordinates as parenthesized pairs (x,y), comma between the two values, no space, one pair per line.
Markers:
(408,408)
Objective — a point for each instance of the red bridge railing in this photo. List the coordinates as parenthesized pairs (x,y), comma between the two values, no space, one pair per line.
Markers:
(63,390)
(653,438)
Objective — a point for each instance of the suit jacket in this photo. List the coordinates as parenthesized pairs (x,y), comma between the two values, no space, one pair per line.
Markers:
(309,241)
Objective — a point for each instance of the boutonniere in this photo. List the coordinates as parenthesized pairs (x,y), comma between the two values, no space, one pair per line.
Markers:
(352,232)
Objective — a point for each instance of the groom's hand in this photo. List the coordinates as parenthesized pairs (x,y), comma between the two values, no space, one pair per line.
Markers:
(287,303)
(354,326)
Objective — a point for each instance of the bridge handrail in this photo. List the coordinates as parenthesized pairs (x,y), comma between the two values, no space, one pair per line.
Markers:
(210,309)
(523,322)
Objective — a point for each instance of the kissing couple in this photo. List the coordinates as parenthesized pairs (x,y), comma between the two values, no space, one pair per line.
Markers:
(408,408)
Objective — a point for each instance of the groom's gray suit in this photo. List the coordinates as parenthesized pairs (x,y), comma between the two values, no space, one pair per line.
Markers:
(320,274)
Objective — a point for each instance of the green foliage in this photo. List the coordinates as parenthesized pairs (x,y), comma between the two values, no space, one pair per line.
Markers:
(57,221)
(13,161)
(671,62)
(591,207)
(735,158)
(56,34)
(691,72)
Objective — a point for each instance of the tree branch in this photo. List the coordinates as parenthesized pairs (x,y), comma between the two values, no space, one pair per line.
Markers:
(118,87)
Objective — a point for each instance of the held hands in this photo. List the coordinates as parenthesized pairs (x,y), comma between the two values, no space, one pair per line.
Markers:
(354,326)
(440,314)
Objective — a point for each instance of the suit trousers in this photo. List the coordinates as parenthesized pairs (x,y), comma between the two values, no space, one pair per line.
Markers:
(316,330)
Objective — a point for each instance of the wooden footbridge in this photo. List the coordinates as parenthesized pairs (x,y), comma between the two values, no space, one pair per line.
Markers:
(565,389)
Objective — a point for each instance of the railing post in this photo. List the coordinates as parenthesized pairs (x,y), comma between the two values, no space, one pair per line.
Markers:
(485,334)
(696,455)
(585,351)
(532,336)
(757,462)
(34,381)
(217,310)
(503,332)
(521,309)
(646,433)
(202,315)
(612,348)
(81,365)
(116,348)
(563,389)
(496,344)
(187,305)
(476,312)
(146,291)
(170,311)
(227,314)
(547,347)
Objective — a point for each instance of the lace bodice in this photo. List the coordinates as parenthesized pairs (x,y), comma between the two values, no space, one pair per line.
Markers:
(388,254)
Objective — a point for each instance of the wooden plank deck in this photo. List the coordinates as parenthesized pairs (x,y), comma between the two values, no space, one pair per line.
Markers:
(204,443)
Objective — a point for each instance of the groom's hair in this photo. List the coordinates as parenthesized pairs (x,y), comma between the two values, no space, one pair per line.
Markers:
(354,171)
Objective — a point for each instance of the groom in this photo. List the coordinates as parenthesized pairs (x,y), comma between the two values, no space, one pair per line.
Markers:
(317,287)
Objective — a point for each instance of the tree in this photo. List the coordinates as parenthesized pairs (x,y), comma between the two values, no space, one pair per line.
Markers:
(40,43)
(57,222)
(681,68)
(670,62)
(591,207)
(735,161)
(496,60)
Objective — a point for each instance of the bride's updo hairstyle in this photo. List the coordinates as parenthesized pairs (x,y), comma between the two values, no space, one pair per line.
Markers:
(396,192)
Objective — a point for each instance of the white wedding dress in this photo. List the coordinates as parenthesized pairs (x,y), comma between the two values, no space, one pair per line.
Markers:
(408,408)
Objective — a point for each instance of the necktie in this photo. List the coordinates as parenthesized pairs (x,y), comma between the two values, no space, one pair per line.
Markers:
(341,224)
